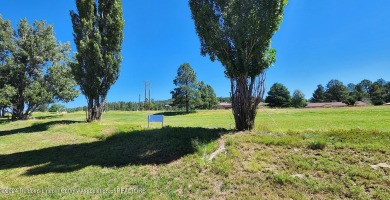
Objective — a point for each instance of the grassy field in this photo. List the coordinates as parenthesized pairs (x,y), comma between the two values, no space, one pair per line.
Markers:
(293,153)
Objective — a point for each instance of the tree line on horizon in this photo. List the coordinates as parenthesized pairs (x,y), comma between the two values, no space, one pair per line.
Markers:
(376,93)
(117,105)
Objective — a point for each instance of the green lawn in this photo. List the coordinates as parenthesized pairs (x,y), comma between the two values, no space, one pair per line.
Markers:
(310,153)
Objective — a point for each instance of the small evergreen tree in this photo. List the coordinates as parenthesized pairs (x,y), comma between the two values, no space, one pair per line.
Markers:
(186,94)
(377,93)
(298,99)
(278,96)
(213,100)
(318,95)
(204,95)
(208,97)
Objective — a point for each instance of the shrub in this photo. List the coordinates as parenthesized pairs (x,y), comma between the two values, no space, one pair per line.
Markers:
(317,144)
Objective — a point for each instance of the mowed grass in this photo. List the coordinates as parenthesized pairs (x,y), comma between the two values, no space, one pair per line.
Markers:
(293,153)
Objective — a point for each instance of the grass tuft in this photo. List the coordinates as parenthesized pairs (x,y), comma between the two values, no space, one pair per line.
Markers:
(317,144)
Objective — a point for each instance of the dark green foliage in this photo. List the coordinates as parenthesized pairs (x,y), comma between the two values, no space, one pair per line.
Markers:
(98,35)
(353,95)
(318,95)
(238,34)
(208,97)
(298,99)
(387,91)
(358,93)
(377,93)
(186,94)
(7,92)
(363,89)
(36,68)
(336,91)
(351,100)
(278,96)
(212,100)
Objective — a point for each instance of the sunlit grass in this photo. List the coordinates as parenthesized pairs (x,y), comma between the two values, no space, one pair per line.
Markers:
(309,154)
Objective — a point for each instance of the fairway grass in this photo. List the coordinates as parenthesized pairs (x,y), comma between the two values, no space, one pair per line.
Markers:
(293,153)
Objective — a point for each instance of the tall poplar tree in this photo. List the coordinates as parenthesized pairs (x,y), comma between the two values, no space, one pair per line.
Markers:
(98,35)
(238,33)
(6,45)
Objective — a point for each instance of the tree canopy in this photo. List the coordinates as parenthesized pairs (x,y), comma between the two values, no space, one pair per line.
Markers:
(238,34)
(367,91)
(278,96)
(36,68)
(186,94)
(298,99)
(318,95)
(336,91)
(208,97)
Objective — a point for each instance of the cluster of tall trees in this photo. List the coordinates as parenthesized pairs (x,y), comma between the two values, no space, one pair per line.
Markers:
(376,93)
(236,33)
(191,94)
(279,96)
(34,68)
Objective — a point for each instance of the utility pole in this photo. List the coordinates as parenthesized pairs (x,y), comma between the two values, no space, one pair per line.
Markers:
(145,96)
(147,100)
(139,103)
(149,96)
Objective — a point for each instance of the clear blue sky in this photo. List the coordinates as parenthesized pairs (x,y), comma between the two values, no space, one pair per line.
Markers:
(318,41)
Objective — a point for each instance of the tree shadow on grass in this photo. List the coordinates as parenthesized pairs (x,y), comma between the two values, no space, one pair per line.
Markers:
(4,121)
(174,113)
(156,146)
(37,127)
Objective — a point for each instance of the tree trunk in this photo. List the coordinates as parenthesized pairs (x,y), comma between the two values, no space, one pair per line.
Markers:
(95,108)
(246,94)
(18,109)
(187,103)
(17,112)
